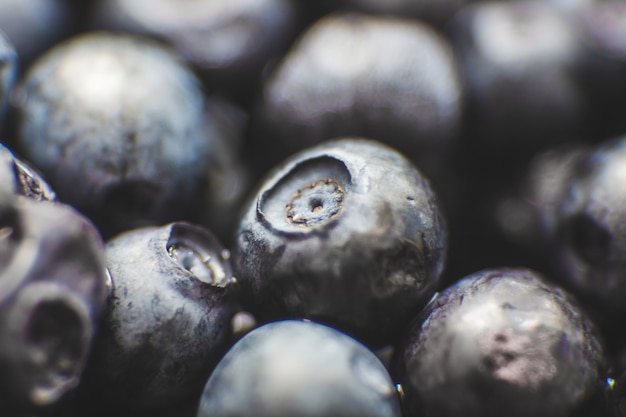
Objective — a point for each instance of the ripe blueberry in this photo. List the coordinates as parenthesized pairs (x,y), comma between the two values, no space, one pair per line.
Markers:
(118,126)
(351,74)
(589,226)
(348,232)
(502,342)
(168,319)
(298,368)
(519,59)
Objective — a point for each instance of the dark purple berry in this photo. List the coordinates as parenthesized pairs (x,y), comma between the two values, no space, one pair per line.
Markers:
(502,342)
(348,232)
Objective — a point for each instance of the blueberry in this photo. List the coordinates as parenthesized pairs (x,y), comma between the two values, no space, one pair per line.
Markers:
(168,320)
(19,178)
(118,126)
(229,43)
(502,342)
(589,227)
(348,232)
(519,59)
(547,178)
(53,292)
(350,74)
(299,368)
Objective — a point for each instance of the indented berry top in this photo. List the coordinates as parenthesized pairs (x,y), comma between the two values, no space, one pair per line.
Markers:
(348,232)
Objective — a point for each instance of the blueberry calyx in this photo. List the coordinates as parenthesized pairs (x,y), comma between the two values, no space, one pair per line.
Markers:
(310,195)
(315,204)
(195,251)
(30,183)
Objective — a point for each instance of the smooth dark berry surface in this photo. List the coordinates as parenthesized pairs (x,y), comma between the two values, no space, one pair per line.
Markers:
(298,368)
(348,232)
(502,342)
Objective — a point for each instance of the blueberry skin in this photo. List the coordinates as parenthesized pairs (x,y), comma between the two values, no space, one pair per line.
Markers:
(502,342)
(168,319)
(118,126)
(299,368)
(19,178)
(518,61)
(351,74)
(547,179)
(589,227)
(348,232)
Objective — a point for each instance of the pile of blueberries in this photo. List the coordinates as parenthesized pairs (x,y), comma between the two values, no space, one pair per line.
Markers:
(332,208)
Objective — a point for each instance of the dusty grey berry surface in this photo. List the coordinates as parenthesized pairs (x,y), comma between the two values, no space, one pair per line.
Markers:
(168,320)
(348,232)
(118,126)
(299,368)
(502,342)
